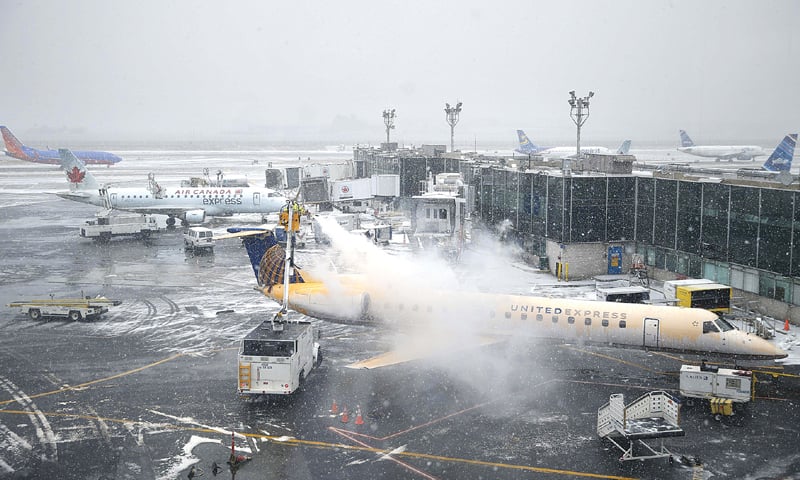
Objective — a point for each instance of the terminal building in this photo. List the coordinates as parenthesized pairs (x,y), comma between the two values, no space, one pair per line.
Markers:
(590,216)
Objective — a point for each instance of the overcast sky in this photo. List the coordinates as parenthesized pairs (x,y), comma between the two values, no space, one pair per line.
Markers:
(726,71)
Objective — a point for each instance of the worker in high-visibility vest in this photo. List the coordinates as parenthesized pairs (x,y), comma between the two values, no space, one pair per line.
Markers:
(297,210)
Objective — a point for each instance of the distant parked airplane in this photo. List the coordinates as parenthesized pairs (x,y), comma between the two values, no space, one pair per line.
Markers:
(781,158)
(527,147)
(190,204)
(720,152)
(15,148)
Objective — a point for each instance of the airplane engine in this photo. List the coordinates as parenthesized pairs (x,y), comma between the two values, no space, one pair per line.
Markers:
(195,216)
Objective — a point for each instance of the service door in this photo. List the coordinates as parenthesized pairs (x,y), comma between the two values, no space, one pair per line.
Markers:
(614,260)
(651,332)
(256,199)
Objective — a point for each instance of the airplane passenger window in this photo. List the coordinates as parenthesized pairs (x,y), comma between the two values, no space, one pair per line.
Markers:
(587,321)
(555,319)
(604,322)
(570,320)
(523,316)
(623,324)
(539,317)
(508,314)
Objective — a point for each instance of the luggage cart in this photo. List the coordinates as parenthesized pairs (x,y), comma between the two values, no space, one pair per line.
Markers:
(654,415)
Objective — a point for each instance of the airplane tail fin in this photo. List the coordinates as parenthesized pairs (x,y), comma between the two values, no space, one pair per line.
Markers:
(624,148)
(79,178)
(267,257)
(525,144)
(13,146)
(685,140)
(781,158)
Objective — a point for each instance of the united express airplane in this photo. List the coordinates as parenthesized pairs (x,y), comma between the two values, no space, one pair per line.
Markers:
(191,204)
(355,298)
(15,148)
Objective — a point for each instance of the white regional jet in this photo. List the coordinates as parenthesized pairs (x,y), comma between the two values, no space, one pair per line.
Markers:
(392,301)
(191,204)
(720,152)
(527,147)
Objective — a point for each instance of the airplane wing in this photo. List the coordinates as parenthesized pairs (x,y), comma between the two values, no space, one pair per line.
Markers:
(418,352)
(241,233)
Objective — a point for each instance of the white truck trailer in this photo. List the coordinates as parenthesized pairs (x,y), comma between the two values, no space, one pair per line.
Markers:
(108,224)
(72,308)
(276,356)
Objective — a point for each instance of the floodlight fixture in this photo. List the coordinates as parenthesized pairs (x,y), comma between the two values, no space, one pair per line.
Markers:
(452,114)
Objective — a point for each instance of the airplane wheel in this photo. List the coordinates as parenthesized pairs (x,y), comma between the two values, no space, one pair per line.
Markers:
(34,314)
(74,315)
(171,222)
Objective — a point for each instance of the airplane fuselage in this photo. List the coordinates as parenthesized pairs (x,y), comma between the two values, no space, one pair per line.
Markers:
(51,157)
(214,201)
(667,328)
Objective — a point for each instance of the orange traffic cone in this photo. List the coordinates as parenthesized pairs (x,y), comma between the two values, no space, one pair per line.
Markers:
(786,325)
(334,408)
(359,418)
(345,415)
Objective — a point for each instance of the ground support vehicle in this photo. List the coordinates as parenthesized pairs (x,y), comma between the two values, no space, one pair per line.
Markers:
(71,308)
(108,224)
(276,357)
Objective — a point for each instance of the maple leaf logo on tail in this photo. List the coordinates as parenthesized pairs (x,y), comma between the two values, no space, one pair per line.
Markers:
(75,175)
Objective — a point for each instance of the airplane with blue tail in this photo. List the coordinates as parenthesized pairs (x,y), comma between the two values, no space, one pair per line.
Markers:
(781,158)
(719,152)
(527,147)
(16,149)
(479,318)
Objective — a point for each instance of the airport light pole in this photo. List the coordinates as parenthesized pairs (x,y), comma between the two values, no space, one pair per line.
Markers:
(576,112)
(388,120)
(452,120)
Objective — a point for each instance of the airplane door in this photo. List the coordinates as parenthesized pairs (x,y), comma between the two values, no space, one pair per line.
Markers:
(614,260)
(256,199)
(113,199)
(651,332)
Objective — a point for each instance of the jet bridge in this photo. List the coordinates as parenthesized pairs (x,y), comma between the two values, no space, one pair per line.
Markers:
(654,415)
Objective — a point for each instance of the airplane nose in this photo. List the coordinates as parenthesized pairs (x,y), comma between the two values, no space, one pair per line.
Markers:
(770,350)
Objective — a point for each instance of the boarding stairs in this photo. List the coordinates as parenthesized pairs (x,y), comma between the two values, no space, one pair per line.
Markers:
(654,415)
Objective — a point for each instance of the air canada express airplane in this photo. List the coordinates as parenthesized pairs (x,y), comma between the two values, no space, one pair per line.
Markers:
(355,298)
(15,148)
(191,204)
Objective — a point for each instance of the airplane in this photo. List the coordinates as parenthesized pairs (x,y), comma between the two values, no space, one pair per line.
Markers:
(387,299)
(527,147)
(15,149)
(781,158)
(720,152)
(191,204)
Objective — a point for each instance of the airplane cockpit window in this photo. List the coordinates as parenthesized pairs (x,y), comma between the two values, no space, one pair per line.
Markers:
(708,326)
(724,325)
